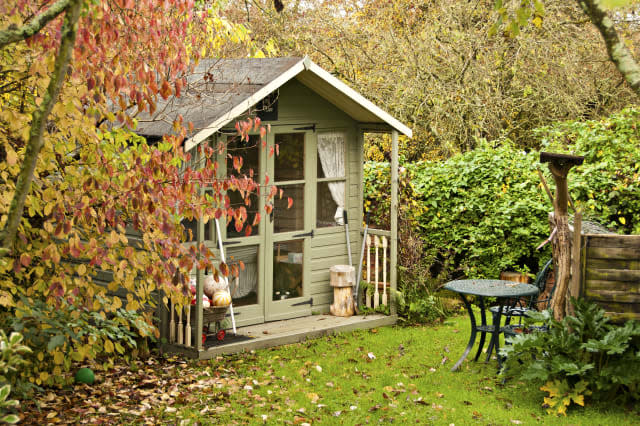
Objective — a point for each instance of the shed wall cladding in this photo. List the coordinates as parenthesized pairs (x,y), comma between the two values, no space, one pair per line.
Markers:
(299,104)
(611,273)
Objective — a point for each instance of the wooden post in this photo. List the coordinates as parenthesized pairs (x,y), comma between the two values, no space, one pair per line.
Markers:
(180,329)
(199,289)
(376,293)
(366,295)
(393,255)
(384,270)
(187,327)
(576,270)
(172,324)
(559,165)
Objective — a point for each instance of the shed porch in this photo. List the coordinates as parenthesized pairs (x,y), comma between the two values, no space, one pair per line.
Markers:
(285,332)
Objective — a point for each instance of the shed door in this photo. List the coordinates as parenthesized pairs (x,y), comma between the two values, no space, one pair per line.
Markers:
(289,229)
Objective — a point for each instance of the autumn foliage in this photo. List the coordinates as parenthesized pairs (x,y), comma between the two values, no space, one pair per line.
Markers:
(103,201)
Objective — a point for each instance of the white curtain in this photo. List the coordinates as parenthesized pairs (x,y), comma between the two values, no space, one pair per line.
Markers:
(331,153)
(247,278)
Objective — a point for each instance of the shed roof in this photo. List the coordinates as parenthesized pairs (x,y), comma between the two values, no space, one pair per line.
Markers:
(220,90)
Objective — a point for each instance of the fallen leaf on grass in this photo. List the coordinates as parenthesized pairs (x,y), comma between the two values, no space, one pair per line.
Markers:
(420,401)
(516,422)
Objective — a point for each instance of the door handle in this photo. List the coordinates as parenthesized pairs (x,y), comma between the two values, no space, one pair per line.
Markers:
(306,234)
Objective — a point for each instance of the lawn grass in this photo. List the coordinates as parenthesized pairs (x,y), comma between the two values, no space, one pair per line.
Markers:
(390,374)
(395,374)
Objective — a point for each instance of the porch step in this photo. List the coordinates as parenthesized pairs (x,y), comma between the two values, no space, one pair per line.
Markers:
(286,332)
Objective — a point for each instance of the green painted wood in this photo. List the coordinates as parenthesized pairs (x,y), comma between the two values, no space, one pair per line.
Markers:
(393,255)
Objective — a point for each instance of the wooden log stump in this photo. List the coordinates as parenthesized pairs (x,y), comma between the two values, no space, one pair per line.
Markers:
(342,280)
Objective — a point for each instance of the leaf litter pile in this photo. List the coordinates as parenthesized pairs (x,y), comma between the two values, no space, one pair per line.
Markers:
(391,374)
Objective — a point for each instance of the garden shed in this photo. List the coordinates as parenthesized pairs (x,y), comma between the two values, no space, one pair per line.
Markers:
(318,123)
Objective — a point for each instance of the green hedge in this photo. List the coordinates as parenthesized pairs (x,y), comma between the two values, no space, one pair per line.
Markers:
(485,211)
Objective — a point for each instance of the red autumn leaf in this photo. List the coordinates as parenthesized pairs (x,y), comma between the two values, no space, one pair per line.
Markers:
(25,259)
(247,230)
(256,219)
(289,202)
(165,90)
(224,269)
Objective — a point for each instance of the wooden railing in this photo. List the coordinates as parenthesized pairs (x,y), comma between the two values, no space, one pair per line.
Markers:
(375,272)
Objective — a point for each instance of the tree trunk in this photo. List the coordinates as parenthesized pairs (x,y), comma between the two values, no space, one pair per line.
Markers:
(38,121)
(618,51)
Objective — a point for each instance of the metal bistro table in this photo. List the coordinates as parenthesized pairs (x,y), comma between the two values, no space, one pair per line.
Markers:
(502,290)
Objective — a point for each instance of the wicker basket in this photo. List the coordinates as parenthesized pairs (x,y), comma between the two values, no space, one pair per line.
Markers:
(211,314)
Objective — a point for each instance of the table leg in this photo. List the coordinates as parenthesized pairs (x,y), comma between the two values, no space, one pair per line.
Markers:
(495,335)
(472,338)
(483,317)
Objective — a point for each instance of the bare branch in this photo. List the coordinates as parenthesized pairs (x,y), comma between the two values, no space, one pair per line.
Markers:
(618,51)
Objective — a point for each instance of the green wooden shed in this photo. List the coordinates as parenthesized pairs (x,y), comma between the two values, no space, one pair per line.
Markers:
(319,124)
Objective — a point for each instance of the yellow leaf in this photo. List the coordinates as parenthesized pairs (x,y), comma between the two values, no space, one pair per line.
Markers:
(58,357)
(116,303)
(44,376)
(108,346)
(622,220)
(12,157)
(40,356)
(81,269)
(537,21)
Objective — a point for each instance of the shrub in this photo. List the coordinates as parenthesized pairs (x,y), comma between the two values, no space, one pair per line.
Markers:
(12,351)
(61,333)
(583,356)
(607,185)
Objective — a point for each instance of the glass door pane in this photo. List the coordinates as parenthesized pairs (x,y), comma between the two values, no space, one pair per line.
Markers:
(244,287)
(288,273)
(247,156)
(289,230)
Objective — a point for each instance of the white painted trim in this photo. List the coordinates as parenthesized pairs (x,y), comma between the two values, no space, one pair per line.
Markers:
(359,99)
(244,105)
(304,64)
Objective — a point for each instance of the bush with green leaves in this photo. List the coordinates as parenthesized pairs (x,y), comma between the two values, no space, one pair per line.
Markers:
(607,185)
(582,356)
(484,211)
(12,352)
(61,333)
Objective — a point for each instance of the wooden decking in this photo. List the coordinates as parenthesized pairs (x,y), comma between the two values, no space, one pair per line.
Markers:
(285,332)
